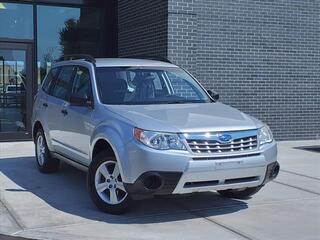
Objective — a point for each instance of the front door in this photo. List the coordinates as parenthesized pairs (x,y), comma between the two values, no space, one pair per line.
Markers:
(16,90)
(78,126)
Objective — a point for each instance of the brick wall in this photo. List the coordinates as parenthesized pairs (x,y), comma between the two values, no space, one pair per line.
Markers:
(263,57)
(142,27)
(182,33)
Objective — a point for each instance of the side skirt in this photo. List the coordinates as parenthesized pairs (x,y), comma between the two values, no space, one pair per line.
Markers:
(69,161)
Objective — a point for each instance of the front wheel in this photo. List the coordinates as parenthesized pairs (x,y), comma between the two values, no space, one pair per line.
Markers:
(242,193)
(106,186)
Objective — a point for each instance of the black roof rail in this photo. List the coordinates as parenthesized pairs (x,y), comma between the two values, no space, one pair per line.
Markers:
(85,57)
(157,58)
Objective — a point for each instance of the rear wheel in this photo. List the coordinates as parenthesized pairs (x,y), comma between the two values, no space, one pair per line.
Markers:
(241,193)
(106,186)
(46,163)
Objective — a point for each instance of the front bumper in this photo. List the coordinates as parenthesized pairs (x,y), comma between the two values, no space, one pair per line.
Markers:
(179,172)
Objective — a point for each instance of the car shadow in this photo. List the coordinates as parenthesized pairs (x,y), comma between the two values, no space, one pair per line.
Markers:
(315,148)
(66,191)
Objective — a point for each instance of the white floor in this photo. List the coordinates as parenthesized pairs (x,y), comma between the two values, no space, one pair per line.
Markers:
(57,206)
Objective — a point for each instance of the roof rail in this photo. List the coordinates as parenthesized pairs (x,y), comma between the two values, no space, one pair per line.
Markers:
(85,57)
(157,58)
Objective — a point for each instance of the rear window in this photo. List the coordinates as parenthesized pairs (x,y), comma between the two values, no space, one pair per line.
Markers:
(51,76)
(62,86)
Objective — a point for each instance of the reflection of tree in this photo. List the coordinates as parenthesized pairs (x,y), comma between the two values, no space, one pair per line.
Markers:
(49,55)
(69,43)
(48,58)
(80,35)
(74,38)
(69,37)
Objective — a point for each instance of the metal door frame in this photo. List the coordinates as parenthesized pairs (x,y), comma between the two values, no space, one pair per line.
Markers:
(30,89)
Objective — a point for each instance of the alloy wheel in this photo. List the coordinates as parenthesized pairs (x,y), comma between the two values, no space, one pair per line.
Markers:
(108,183)
(41,150)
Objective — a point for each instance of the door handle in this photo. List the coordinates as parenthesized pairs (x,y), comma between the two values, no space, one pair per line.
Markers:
(64,112)
(45,105)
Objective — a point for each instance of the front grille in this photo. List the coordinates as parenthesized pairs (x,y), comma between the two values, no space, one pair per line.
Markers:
(214,146)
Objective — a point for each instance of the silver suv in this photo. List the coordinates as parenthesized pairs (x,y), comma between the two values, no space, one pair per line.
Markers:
(142,128)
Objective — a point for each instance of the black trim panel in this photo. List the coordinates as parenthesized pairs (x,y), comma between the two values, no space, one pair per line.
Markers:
(72,162)
(226,157)
(169,183)
(270,168)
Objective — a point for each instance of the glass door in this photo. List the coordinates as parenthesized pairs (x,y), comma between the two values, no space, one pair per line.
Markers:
(15,91)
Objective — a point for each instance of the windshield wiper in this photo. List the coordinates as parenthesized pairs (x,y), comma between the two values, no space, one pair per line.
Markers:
(176,102)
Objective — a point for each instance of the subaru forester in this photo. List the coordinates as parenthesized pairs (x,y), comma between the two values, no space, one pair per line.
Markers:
(142,128)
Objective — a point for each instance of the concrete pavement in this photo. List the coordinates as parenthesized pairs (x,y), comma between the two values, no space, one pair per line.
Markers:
(57,206)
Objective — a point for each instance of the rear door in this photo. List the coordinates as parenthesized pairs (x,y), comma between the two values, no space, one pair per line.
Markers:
(42,104)
(56,115)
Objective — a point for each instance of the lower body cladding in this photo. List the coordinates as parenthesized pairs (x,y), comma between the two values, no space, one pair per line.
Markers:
(223,179)
(208,174)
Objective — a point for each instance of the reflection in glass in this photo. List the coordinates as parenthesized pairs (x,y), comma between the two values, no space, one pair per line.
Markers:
(16,21)
(12,90)
(64,30)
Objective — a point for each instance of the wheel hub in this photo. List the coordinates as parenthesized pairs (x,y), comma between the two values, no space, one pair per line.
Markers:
(41,150)
(108,183)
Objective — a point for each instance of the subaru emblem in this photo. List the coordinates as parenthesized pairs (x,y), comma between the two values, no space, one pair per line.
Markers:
(225,138)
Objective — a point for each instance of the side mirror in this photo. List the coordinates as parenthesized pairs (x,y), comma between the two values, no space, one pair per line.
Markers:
(80,100)
(214,95)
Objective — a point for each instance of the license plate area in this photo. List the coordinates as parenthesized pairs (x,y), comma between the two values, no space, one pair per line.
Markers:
(228,164)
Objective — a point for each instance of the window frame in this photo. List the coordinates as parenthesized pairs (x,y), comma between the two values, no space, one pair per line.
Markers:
(23,39)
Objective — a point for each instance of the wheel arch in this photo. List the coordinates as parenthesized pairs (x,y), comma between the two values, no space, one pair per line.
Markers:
(117,134)
(100,145)
(103,143)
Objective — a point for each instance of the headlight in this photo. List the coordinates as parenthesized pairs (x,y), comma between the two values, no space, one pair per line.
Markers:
(265,135)
(159,140)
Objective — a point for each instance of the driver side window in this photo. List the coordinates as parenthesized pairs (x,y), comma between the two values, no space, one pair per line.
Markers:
(181,87)
(82,83)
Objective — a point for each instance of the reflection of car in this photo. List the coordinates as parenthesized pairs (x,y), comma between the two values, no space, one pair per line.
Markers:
(14,95)
(143,128)
(15,89)
(12,91)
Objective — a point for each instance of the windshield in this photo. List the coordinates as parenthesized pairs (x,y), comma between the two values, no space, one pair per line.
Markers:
(148,85)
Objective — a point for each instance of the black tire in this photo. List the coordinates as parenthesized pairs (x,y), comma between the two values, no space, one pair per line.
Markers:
(120,208)
(49,164)
(241,193)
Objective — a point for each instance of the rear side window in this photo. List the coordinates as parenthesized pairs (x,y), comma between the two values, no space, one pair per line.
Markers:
(82,82)
(62,86)
(48,82)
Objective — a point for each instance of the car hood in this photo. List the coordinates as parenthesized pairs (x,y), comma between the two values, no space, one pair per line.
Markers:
(195,117)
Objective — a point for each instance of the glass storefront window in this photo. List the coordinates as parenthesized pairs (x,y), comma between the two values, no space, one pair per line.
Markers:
(13,87)
(16,21)
(65,30)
